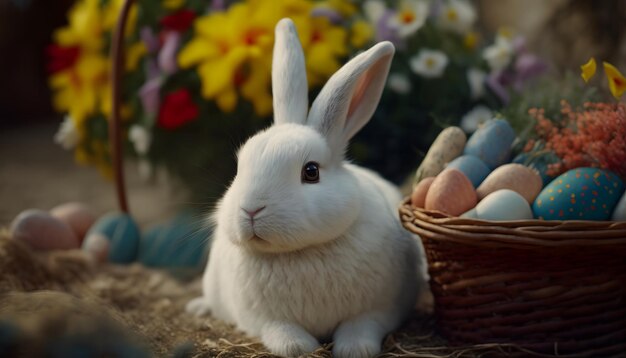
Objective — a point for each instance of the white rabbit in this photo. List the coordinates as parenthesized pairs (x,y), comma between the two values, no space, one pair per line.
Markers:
(308,247)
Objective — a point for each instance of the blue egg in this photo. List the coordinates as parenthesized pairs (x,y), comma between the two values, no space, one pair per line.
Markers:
(579,194)
(122,232)
(492,143)
(539,164)
(179,243)
(472,167)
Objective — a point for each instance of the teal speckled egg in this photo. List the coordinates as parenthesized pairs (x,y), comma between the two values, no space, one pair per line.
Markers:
(492,143)
(179,243)
(579,194)
(121,231)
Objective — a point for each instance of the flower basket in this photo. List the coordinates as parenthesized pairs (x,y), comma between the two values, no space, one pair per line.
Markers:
(551,287)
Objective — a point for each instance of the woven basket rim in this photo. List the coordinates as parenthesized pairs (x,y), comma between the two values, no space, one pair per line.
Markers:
(438,226)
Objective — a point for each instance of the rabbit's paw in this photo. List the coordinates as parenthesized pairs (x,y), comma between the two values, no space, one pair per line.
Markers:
(199,306)
(288,339)
(360,337)
(356,348)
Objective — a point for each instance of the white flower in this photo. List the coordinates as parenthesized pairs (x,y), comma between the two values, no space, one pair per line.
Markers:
(476,79)
(410,17)
(374,10)
(475,118)
(429,63)
(457,16)
(399,83)
(67,135)
(141,138)
(499,55)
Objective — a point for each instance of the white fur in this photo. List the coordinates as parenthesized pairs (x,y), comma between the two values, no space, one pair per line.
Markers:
(323,261)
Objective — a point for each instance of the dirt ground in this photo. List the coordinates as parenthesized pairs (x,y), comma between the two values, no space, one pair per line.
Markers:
(52,303)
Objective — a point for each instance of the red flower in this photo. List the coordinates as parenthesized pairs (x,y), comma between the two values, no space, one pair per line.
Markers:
(177,109)
(179,21)
(61,58)
(593,136)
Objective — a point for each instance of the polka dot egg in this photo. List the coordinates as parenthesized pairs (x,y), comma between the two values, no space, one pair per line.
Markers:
(579,194)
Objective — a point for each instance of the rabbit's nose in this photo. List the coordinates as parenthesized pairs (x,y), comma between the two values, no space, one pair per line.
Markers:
(252,213)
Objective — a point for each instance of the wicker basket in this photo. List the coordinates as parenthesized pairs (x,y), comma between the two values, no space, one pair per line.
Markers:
(548,286)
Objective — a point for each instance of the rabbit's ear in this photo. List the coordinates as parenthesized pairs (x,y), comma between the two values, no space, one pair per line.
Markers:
(289,84)
(349,98)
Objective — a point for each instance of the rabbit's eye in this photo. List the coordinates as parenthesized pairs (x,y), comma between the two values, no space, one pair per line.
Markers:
(310,173)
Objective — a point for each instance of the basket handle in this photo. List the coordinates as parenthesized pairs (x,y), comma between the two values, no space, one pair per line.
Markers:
(115,132)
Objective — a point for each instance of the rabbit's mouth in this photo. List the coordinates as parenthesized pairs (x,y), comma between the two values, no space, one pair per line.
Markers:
(257,239)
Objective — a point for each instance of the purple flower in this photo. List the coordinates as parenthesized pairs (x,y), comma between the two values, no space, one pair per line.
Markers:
(497,82)
(218,5)
(167,55)
(149,39)
(384,32)
(332,15)
(149,95)
(519,45)
(152,69)
(527,67)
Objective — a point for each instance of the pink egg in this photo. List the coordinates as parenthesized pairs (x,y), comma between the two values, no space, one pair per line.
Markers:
(78,216)
(42,231)
(519,178)
(451,192)
(418,197)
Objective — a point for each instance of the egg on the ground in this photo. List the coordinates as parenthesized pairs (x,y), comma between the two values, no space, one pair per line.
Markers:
(78,216)
(41,231)
(122,233)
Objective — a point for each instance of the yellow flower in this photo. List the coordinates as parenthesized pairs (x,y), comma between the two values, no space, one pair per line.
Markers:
(470,40)
(588,69)
(362,32)
(134,54)
(78,90)
(617,82)
(323,47)
(232,50)
(83,90)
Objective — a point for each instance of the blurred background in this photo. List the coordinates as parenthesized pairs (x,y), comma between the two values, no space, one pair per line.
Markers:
(37,172)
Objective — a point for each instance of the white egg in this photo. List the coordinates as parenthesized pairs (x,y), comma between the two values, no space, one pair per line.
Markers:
(619,213)
(470,214)
(504,205)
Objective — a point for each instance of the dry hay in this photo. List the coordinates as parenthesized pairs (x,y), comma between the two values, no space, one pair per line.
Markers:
(64,297)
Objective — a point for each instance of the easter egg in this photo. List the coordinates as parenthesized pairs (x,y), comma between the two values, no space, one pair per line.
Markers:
(78,216)
(491,143)
(473,168)
(98,246)
(504,205)
(619,213)
(523,180)
(448,145)
(470,214)
(418,197)
(579,194)
(180,243)
(42,231)
(122,233)
(540,164)
(451,192)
